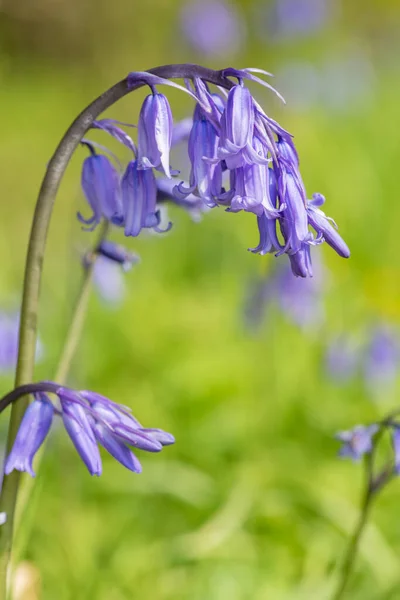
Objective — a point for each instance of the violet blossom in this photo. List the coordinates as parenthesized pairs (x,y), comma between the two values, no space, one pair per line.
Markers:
(241,159)
(89,419)
(212,27)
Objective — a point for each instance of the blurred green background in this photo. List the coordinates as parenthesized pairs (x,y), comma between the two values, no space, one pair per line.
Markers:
(251,502)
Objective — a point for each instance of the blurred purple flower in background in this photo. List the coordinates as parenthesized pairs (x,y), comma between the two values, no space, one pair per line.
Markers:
(285,19)
(212,27)
(109,281)
(108,272)
(301,300)
(382,358)
(377,358)
(9,328)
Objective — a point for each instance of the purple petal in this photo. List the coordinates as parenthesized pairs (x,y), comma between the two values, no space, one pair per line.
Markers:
(111,126)
(139,194)
(268,237)
(165,439)
(247,74)
(300,262)
(155,132)
(100,183)
(79,428)
(321,224)
(31,434)
(116,448)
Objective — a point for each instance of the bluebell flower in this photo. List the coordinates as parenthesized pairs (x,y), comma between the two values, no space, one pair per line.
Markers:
(269,241)
(357,442)
(240,158)
(100,184)
(32,432)
(205,175)
(325,226)
(237,130)
(251,187)
(79,425)
(89,418)
(139,197)
(155,133)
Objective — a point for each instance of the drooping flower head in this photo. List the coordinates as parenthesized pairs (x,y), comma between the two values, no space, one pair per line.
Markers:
(89,419)
(300,300)
(240,157)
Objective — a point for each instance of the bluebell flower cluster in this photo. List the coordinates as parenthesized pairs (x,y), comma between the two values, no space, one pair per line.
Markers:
(90,420)
(240,158)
